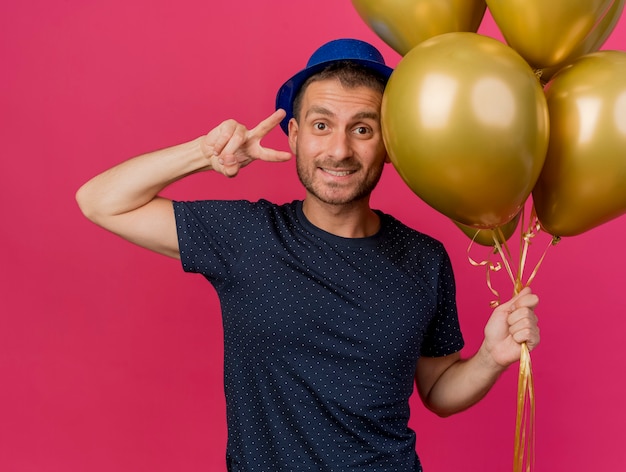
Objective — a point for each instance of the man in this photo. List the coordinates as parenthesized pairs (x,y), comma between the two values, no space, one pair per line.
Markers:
(332,311)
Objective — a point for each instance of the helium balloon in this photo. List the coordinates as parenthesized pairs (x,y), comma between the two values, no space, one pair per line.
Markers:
(592,42)
(466,125)
(403,24)
(487,237)
(583,182)
(546,33)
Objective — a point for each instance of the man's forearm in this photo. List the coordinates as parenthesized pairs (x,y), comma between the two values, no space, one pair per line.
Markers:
(463,384)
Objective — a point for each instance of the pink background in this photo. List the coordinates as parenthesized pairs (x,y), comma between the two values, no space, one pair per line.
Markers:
(110,356)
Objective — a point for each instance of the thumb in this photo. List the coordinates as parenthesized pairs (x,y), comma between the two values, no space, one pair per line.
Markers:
(228,168)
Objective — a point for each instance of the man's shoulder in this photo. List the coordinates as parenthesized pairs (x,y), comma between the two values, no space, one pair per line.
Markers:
(400,231)
(260,205)
(234,214)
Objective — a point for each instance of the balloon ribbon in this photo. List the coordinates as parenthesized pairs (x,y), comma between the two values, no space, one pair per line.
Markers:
(524,450)
(525,420)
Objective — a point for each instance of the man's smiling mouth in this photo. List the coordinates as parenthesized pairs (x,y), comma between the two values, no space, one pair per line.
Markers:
(338,173)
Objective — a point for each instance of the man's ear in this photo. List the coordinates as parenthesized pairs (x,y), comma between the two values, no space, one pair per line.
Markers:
(293,135)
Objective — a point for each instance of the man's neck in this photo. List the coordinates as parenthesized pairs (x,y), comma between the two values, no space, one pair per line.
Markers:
(354,220)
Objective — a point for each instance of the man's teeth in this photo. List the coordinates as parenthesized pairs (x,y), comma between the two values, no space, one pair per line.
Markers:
(338,173)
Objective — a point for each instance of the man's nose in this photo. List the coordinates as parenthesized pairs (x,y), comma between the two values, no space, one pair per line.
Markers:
(340,145)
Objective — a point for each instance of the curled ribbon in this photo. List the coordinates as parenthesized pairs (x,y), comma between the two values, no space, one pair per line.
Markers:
(524,450)
(490,266)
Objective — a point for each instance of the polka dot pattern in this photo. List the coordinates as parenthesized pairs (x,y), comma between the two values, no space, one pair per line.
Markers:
(321,333)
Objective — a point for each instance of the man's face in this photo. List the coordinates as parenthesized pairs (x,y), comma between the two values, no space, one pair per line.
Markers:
(338,142)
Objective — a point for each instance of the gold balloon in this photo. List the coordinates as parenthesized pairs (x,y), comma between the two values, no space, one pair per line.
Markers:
(465,123)
(403,24)
(583,182)
(485,237)
(546,32)
(592,42)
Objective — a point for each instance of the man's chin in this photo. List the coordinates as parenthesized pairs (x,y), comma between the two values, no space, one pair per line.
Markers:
(339,199)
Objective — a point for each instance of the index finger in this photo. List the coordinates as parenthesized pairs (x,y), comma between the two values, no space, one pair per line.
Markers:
(268,124)
(517,301)
(525,299)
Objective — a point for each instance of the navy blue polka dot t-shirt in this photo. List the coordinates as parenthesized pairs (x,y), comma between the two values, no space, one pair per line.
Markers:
(321,333)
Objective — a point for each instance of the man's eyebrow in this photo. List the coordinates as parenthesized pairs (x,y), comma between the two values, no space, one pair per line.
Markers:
(364,115)
(319,111)
(367,115)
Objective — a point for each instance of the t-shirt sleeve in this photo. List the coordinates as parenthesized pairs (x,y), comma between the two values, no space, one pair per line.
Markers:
(206,240)
(443,336)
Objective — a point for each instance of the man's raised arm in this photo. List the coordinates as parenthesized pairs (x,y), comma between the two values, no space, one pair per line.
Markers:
(125,199)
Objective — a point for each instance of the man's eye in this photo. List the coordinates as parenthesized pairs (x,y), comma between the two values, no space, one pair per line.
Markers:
(361,130)
(320,126)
